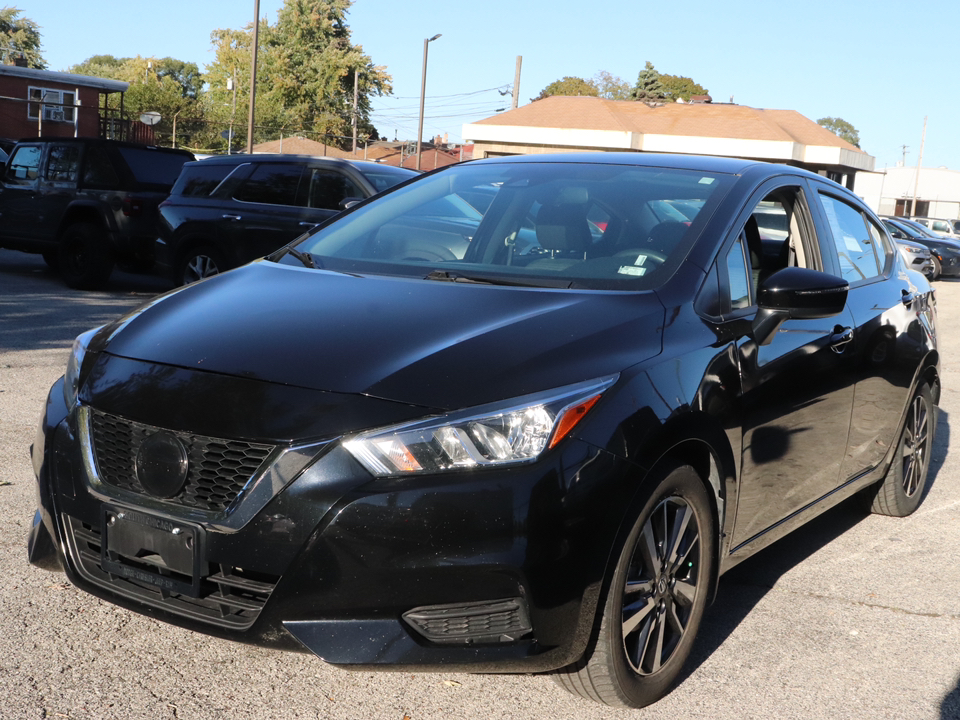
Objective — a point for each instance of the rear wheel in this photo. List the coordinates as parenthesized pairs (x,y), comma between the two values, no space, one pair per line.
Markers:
(901,491)
(199,263)
(85,259)
(656,598)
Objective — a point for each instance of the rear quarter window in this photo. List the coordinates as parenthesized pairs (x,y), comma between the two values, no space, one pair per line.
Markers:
(200,180)
(154,167)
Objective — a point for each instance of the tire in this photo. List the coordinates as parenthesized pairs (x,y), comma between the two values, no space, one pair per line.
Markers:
(654,604)
(901,491)
(198,263)
(85,259)
(936,267)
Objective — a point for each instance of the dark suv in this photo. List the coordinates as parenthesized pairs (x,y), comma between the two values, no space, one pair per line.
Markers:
(226,211)
(85,203)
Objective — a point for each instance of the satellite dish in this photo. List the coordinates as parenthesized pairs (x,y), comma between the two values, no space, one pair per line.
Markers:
(150,118)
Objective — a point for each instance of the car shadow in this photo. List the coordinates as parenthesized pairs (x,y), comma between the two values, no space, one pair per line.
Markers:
(744,586)
(38,312)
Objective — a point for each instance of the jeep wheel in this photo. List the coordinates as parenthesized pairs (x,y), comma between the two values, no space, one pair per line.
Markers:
(199,263)
(85,258)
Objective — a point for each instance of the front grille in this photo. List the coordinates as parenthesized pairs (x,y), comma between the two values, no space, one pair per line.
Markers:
(218,470)
(230,597)
(495,621)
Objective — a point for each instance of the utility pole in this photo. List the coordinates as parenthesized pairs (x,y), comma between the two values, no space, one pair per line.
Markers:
(356,101)
(516,83)
(904,162)
(916,178)
(253,74)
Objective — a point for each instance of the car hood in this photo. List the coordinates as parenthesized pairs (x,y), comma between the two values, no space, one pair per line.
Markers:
(440,345)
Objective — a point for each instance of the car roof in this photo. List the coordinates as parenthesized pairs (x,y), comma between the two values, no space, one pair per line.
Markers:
(241,158)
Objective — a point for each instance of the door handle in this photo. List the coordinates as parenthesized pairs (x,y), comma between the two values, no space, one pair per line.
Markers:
(840,339)
(232,217)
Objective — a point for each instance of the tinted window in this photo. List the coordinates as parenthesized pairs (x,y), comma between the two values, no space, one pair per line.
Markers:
(154,167)
(738,278)
(857,247)
(98,170)
(63,163)
(329,187)
(200,180)
(273,184)
(24,167)
(383,177)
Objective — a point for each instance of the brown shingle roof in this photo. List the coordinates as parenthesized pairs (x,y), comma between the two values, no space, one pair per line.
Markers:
(692,120)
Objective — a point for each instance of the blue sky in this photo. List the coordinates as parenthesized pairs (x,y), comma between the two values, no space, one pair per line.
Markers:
(880,65)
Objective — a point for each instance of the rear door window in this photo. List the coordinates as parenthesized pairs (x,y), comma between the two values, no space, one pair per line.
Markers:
(860,246)
(274,184)
(63,163)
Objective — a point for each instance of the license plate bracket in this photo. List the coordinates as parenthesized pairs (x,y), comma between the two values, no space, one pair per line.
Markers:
(152,549)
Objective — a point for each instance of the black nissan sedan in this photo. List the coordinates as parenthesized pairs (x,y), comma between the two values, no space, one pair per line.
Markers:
(529,444)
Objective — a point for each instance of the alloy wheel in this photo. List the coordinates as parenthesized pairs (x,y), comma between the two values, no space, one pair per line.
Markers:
(916,439)
(661,585)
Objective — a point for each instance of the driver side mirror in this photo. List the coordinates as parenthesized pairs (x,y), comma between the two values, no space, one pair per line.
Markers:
(798,293)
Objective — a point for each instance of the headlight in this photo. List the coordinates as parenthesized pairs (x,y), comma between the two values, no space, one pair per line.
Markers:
(918,251)
(71,379)
(503,433)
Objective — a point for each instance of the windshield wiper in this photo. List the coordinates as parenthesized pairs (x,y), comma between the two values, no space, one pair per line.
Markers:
(306,258)
(451,276)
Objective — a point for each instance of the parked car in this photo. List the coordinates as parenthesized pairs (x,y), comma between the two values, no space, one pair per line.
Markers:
(512,458)
(85,204)
(228,210)
(916,257)
(945,252)
(950,228)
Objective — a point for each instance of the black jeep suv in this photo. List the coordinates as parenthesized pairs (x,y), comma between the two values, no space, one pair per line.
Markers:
(85,204)
(227,210)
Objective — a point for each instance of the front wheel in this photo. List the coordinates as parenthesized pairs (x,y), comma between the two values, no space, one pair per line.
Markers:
(901,491)
(84,258)
(937,268)
(199,263)
(656,598)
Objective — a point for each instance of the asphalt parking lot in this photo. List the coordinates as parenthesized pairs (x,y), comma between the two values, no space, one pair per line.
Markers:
(852,617)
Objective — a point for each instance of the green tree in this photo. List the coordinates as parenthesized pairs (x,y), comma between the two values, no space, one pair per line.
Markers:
(167,86)
(20,37)
(841,128)
(649,87)
(612,87)
(305,75)
(677,87)
(568,85)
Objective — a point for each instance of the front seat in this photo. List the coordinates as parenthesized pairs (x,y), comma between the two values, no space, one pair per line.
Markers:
(562,231)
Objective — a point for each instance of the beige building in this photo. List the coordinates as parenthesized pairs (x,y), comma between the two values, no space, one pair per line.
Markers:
(577,124)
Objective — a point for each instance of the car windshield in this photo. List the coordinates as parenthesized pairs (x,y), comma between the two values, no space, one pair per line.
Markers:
(569,224)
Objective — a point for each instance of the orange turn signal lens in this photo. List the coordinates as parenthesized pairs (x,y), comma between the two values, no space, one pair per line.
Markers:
(569,419)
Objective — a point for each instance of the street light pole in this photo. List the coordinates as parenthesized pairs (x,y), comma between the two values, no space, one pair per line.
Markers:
(253,73)
(423,93)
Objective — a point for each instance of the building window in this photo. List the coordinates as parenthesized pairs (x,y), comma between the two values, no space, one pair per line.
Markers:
(57,105)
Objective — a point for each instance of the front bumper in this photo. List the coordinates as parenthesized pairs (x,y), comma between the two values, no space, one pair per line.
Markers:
(495,571)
